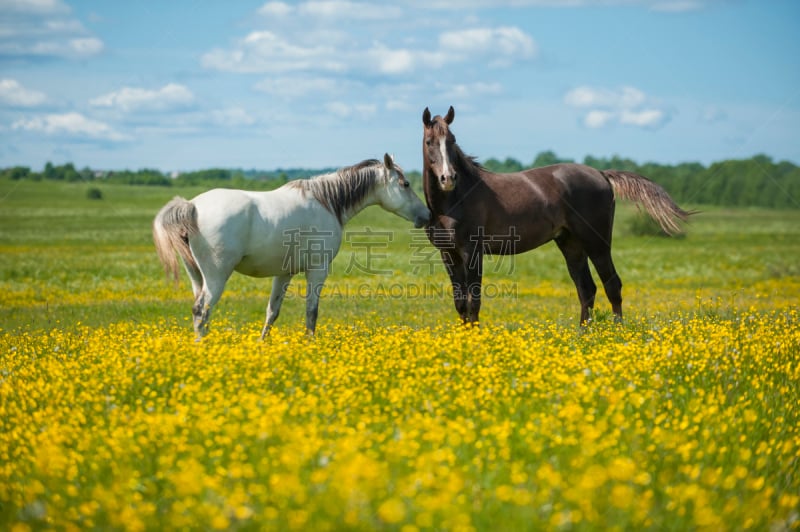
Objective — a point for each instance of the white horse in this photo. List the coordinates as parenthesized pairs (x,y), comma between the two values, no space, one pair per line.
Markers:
(296,228)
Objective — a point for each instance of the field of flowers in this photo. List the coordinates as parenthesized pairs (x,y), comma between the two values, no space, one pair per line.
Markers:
(393,417)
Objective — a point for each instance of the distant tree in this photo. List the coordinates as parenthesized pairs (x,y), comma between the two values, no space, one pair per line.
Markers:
(16,173)
(86,174)
(618,163)
(49,171)
(509,165)
(68,173)
(596,162)
(546,158)
(492,164)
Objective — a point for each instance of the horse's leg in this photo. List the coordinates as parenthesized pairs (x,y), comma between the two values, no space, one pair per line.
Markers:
(279,286)
(314,281)
(214,280)
(474,262)
(196,277)
(578,267)
(596,240)
(611,281)
(456,269)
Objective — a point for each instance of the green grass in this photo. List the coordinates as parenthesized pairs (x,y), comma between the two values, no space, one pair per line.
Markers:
(54,238)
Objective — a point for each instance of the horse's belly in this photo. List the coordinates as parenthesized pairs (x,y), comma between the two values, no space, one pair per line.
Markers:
(520,238)
(263,266)
(511,246)
(297,252)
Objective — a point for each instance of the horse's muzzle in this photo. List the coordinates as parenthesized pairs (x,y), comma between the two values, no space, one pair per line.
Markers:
(447,183)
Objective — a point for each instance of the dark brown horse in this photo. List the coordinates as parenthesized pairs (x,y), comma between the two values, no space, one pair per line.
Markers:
(476,212)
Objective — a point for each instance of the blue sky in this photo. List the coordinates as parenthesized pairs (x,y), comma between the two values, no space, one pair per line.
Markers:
(191,84)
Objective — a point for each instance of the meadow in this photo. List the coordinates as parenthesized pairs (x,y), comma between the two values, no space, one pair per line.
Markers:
(394,417)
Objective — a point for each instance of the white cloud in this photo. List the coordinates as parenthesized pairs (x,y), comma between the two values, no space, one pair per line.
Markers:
(291,87)
(85,46)
(597,119)
(14,94)
(497,47)
(329,37)
(331,9)
(346,110)
(266,51)
(232,117)
(40,7)
(626,97)
(626,106)
(399,104)
(646,118)
(464,90)
(70,125)
(275,9)
(342,9)
(393,61)
(502,43)
(44,28)
(128,99)
(675,6)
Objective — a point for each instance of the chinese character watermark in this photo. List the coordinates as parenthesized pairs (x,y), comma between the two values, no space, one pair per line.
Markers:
(372,243)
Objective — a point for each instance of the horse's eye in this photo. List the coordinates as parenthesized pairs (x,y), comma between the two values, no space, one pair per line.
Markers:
(406,184)
(427,142)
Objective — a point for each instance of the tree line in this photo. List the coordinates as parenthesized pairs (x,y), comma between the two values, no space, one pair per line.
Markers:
(758,181)
(212,177)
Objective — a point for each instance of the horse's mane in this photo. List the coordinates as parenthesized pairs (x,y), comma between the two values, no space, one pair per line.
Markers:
(468,162)
(341,191)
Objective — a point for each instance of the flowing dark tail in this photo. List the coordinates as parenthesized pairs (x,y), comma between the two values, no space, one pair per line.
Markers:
(174,224)
(655,200)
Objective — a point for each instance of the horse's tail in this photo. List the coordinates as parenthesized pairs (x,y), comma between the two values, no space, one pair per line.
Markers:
(658,204)
(174,224)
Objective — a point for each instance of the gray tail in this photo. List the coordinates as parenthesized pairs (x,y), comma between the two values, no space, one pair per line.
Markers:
(655,200)
(174,224)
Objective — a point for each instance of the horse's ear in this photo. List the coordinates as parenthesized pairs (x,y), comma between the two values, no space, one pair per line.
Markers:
(451,114)
(388,161)
(426,117)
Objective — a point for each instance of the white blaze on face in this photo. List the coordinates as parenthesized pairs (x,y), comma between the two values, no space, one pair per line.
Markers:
(445,161)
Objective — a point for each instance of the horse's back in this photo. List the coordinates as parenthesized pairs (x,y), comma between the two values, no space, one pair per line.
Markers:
(576,187)
(222,207)
(569,177)
(262,210)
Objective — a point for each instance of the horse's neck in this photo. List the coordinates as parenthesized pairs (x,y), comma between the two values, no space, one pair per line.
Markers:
(360,202)
(349,213)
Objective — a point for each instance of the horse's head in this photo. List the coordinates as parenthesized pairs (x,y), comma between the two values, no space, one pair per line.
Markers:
(437,149)
(397,196)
